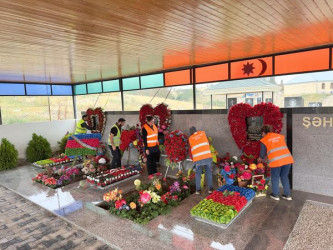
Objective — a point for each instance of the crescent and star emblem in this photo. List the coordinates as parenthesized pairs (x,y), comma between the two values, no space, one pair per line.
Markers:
(248,67)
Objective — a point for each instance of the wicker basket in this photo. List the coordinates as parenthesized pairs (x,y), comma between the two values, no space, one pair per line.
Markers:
(243,183)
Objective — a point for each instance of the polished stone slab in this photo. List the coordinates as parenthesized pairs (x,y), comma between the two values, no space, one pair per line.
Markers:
(266,224)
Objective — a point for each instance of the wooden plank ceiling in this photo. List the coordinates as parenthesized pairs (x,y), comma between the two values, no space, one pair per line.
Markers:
(68,41)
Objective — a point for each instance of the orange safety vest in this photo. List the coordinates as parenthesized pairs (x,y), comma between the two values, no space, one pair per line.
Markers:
(277,151)
(152,135)
(199,144)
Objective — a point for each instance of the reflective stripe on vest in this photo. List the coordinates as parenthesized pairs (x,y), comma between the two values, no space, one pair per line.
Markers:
(202,153)
(200,148)
(279,157)
(199,145)
(79,129)
(152,135)
(277,151)
(116,138)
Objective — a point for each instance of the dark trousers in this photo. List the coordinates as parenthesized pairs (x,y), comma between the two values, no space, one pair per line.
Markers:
(152,158)
(116,157)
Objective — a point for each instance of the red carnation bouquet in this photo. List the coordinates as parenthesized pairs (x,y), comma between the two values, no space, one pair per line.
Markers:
(176,147)
(126,138)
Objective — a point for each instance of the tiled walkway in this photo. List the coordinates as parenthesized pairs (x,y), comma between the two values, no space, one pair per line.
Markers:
(24,225)
(266,224)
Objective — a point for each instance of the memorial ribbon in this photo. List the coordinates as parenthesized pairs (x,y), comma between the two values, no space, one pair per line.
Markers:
(82,143)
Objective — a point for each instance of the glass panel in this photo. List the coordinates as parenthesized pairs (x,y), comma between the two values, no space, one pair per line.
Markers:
(38,89)
(251,68)
(111,86)
(131,83)
(80,89)
(61,90)
(108,101)
(211,73)
(152,81)
(302,61)
(178,98)
(306,90)
(207,99)
(61,108)
(23,109)
(181,77)
(11,89)
(95,87)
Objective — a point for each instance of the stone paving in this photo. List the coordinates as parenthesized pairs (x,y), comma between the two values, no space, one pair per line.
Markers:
(24,225)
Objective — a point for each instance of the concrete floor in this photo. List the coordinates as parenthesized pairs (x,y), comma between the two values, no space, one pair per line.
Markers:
(266,224)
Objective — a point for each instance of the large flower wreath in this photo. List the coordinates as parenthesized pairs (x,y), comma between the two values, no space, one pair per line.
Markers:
(176,147)
(132,138)
(161,111)
(100,115)
(237,121)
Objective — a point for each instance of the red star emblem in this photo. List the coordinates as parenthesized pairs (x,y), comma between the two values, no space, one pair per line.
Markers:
(248,68)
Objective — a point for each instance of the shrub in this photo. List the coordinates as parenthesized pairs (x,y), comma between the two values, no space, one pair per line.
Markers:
(62,143)
(8,155)
(38,149)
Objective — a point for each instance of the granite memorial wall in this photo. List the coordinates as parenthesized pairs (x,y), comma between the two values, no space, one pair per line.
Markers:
(312,140)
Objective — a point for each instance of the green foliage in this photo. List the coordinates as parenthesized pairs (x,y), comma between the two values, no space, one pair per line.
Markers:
(62,143)
(38,149)
(80,151)
(8,155)
(210,210)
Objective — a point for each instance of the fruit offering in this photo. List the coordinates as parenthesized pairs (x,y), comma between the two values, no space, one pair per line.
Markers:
(210,210)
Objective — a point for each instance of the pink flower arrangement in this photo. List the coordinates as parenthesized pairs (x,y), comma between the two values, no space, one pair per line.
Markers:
(145,198)
(227,168)
(50,181)
(246,175)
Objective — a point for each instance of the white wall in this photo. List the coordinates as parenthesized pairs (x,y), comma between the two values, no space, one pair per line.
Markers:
(21,134)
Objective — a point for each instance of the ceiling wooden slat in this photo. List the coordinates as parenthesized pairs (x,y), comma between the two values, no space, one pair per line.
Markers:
(72,41)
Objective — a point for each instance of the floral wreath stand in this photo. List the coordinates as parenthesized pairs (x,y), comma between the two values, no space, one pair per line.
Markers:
(203,174)
(179,165)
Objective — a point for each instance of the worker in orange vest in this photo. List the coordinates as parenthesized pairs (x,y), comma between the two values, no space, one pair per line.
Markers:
(151,145)
(279,160)
(201,156)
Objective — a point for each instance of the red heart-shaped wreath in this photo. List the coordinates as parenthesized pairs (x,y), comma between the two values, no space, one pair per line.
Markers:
(237,121)
(161,111)
(98,112)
